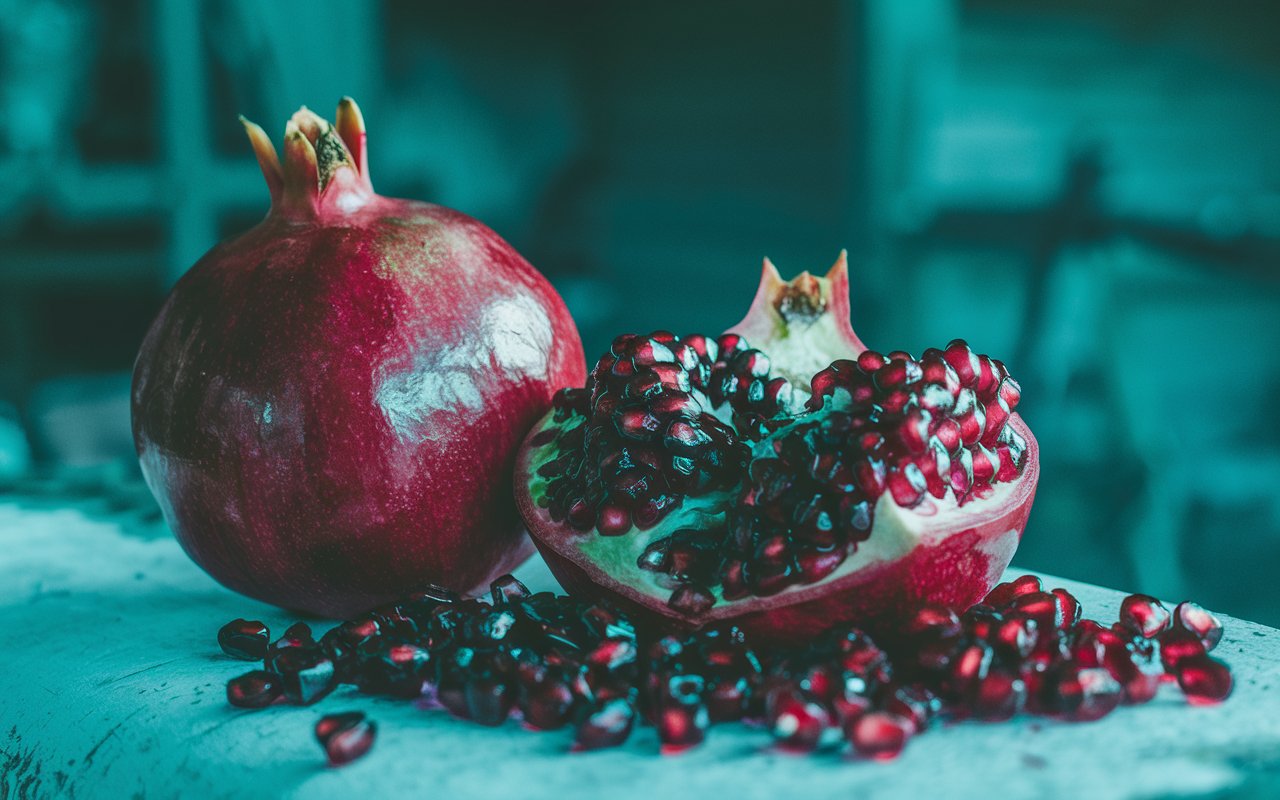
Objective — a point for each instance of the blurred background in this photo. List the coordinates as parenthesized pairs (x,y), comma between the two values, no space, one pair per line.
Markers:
(1089,190)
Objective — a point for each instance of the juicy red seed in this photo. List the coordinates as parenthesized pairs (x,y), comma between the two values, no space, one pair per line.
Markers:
(256,689)
(682,722)
(612,520)
(506,589)
(1083,695)
(997,414)
(815,565)
(1068,606)
(963,360)
(998,696)
(1043,607)
(897,373)
(985,465)
(1018,637)
(488,701)
(868,362)
(934,620)
(1177,645)
(581,516)
(346,736)
(1204,679)
(609,725)
(244,639)
(691,600)
(650,351)
(1144,614)
(548,706)
(907,485)
(1192,617)
(879,735)
(798,723)
(1004,594)
(637,423)
(916,704)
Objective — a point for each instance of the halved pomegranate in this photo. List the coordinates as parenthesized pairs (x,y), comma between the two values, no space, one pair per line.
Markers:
(788,485)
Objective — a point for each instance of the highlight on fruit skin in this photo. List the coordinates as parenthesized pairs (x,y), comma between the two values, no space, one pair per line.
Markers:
(780,476)
(327,406)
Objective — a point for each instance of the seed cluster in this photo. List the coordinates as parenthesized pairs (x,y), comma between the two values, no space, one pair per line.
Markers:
(557,662)
(881,423)
(643,435)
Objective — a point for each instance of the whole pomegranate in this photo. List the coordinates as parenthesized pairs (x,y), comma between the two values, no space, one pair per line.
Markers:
(781,476)
(328,407)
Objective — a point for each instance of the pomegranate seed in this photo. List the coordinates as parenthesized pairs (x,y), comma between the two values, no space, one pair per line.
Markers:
(970,667)
(1144,614)
(548,706)
(609,725)
(1017,637)
(1043,607)
(1204,679)
(244,639)
(1192,617)
(963,360)
(916,704)
(346,736)
(870,361)
(506,589)
(797,722)
(1003,595)
(488,701)
(998,696)
(1177,644)
(1068,607)
(613,521)
(1082,694)
(256,689)
(691,600)
(682,715)
(879,735)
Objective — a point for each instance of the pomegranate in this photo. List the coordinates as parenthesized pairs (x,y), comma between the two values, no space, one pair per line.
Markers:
(328,407)
(781,477)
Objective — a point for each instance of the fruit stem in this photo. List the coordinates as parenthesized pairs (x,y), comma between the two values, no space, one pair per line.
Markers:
(324,165)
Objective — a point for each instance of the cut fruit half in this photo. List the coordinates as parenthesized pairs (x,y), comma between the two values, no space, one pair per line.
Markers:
(781,476)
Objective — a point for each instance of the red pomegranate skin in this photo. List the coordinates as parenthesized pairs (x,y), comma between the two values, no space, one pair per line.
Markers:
(328,409)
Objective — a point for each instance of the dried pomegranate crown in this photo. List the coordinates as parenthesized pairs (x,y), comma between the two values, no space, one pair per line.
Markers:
(325,166)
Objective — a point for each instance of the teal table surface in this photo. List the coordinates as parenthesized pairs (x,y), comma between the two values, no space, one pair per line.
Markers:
(113,687)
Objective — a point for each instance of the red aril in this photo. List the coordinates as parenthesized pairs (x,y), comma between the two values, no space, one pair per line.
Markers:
(328,407)
(783,478)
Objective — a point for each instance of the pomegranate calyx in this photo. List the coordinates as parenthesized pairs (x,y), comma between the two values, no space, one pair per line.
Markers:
(802,323)
(324,167)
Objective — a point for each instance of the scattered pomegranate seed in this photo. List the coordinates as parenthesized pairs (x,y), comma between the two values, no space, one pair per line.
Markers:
(1191,617)
(880,735)
(561,661)
(1204,680)
(346,736)
(244,639)
(1144,614)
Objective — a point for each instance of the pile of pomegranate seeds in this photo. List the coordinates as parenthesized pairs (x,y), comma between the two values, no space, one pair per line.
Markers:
(560,662)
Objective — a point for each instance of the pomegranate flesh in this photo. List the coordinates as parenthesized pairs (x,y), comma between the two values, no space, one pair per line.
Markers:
(781,476)
(328,407)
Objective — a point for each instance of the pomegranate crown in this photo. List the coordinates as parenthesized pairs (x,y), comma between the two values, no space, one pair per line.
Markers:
(325,166)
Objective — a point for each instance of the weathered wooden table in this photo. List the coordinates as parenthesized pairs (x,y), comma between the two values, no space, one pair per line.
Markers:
(113,686)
